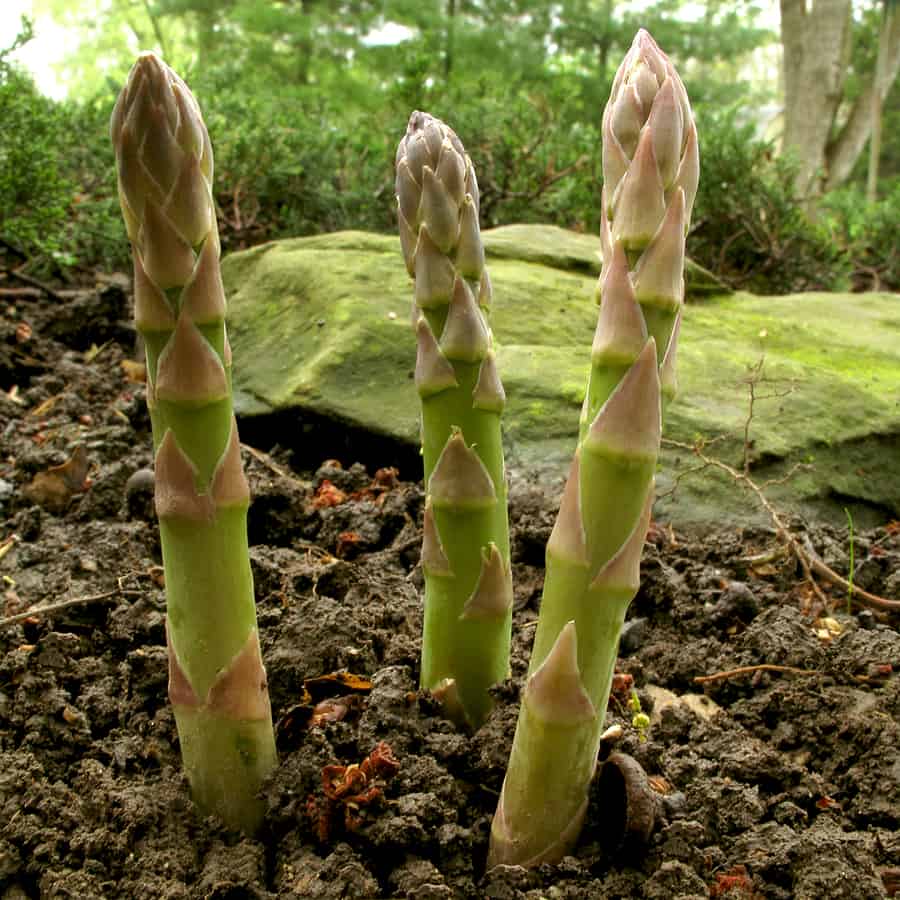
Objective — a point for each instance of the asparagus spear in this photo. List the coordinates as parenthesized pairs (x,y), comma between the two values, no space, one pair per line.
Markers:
(465,553)
(650,167)
(217,683)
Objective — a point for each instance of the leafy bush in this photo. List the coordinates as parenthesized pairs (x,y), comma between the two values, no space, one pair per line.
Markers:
(749,226)
(292,164)
(537,159)
(93,231)
(35,190)
(57,202)
(318,157)
(306,162)
(868,232)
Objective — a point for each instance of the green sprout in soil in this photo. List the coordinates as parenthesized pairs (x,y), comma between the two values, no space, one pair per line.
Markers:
(217,683)
(650,170)
(640,721)
(465,550)
(851,564)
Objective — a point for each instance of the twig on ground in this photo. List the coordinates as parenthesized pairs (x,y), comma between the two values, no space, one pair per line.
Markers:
(743,478)
(66,604)
(809,561)
(756,375)
(806,556)
(270,463)
(871,600)
(20,292)
(749,670)
(35,282)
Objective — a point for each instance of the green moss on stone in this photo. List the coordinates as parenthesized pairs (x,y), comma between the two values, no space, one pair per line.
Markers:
(322,324)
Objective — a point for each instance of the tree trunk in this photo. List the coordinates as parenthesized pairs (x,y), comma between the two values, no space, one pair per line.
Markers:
(874,149)
(848,145)
(815,35)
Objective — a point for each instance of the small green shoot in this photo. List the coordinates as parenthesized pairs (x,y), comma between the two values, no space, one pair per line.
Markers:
(640,721)
(852,563)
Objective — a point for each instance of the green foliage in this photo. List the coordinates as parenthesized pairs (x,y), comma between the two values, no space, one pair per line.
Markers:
(536,160)
(868,233)
(93,230)
(309,160)
(34,189)
(306,103)
(749,225)
(57,206)
(294,164)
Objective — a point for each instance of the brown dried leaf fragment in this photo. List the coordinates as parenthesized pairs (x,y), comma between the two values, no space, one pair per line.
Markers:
(349,790)
(54,489)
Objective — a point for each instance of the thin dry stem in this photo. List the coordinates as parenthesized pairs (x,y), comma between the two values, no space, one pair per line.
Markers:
(809,562)
(66,604)
(749,670)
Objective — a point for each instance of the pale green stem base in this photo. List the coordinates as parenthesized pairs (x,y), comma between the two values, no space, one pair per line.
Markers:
(472,653)
(209,590)
(226,762)
(551,765)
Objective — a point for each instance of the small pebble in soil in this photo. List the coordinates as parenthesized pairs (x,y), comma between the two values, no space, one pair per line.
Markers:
(634,633)
(356,478)
(788,813)
(737,604)
(139,495)
(674,804)
(27,524)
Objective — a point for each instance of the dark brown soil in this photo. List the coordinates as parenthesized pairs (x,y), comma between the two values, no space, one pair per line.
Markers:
(774,784)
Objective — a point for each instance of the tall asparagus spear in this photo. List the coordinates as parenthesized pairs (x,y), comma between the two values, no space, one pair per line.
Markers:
(217,683)
(465,552)
(650,167)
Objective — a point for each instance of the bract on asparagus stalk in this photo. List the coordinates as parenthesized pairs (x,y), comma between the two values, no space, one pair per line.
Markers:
(217,683)
(465,552)
(650,167)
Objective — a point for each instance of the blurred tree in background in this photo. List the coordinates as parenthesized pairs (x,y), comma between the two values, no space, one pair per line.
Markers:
(307,99)
(838,70)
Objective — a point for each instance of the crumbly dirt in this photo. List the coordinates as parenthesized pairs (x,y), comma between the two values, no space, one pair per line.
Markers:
(771,784)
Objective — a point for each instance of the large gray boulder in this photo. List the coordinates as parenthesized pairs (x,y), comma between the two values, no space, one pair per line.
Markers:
(320,325)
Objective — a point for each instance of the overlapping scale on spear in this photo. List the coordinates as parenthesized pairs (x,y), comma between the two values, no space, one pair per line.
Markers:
(462,396)
(650,171)
(651,168)
(165,167)
(217,684)
(437,209)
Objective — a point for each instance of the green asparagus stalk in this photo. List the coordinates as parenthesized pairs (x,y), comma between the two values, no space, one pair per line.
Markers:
(465,552)
(650,167)
(217,683)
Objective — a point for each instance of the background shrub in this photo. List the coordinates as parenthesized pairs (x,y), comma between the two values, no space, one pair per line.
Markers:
(35,189)
(316,155)
(58,207)
(749,226)
(869,232)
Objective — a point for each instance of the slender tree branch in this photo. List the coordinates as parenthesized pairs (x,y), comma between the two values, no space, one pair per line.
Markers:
(809,563)
(749,670)
(843,152)
(67,604)
(35,282)
(157,30)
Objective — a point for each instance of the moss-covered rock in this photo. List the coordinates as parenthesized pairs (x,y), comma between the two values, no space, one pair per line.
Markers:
(562,249)
(321,325)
